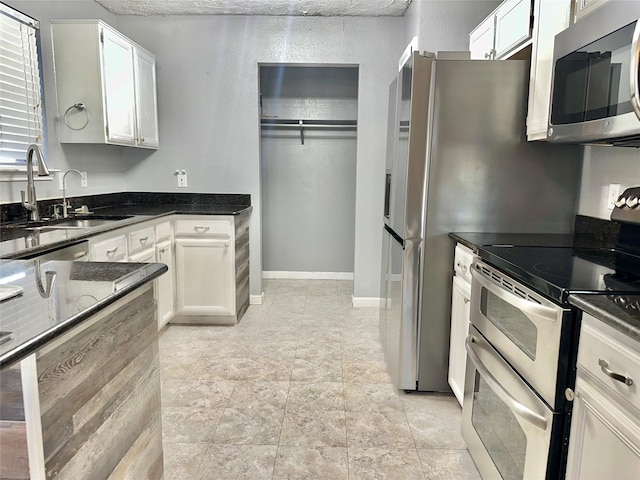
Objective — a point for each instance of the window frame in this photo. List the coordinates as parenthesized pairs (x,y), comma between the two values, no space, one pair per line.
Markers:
(9,169)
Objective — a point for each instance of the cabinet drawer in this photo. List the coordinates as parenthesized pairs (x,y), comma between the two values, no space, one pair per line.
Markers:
(601,353)
(111,250)
(462,262)
(204,227)
(142,239)
(163,231)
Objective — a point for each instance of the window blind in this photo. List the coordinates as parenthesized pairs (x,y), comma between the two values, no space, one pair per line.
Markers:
(21,111)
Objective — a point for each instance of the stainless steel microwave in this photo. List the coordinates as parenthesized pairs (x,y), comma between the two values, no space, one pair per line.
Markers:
(595,97)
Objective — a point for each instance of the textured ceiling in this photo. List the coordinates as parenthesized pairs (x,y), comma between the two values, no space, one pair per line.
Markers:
(335,8)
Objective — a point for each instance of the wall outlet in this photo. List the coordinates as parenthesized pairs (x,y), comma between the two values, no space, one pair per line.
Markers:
(84,181)
(182,180)
(614,193)
(60,176)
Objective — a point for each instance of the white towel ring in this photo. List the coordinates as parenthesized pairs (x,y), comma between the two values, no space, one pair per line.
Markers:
(77,106)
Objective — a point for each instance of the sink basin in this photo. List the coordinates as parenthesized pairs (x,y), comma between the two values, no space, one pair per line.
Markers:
(85,221)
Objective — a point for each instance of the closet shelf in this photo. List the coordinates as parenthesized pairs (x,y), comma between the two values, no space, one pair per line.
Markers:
(275,123)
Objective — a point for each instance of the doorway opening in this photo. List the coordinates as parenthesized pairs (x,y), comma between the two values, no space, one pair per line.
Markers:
(308,170)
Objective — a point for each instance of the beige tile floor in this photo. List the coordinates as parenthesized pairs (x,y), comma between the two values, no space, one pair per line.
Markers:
(299,390)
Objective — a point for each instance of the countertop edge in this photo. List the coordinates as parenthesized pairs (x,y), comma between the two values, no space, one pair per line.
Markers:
(619,321)
(27,348)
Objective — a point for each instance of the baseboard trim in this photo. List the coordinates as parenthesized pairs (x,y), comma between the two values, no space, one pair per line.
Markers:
(256,299)
(308,275)
(360,302)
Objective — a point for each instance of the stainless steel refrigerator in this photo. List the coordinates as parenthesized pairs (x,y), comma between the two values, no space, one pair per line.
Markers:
(459,162)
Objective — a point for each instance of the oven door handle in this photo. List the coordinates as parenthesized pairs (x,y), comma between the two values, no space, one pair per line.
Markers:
(526,306)
(635,69)
(518,408)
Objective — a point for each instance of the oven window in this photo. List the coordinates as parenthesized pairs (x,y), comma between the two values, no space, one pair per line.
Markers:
(511,322)
(500,432)
(593,82)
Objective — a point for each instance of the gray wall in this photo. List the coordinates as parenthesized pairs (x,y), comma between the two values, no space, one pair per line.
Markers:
(209,115)
(104,164)
(445,24)
(308,190)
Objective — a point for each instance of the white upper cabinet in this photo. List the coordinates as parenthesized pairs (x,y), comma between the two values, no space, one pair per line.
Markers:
(481,40)
(513,25)
(146,104)
(119,90)
(106,86)
(504,32)
(551,17)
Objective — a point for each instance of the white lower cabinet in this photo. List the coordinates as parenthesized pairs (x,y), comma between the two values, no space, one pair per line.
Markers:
(165,291)
(208,264)
(605,428)
(460,314)
(205,283)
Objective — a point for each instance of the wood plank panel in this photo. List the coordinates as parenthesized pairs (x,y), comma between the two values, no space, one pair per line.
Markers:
(242,265)
(14,458)
(100,397)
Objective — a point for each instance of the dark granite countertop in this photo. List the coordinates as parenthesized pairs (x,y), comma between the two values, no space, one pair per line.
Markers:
(605,309)
(474,240)
(21,243)
(80,290)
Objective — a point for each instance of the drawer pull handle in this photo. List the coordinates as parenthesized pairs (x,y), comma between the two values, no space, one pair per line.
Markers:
(112,252)
(199,228)
(604,366)
(466,300)
(144,240)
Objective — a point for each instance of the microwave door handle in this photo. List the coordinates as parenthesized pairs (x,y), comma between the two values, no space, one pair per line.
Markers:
(635,70)
(521,410)
(526,306)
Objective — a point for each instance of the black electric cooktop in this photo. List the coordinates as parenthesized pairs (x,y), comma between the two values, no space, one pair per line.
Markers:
(557,272)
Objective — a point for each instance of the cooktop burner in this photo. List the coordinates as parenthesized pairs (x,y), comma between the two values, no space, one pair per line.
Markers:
(557,272)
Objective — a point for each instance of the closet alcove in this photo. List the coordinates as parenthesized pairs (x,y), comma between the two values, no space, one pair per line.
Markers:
(308,170)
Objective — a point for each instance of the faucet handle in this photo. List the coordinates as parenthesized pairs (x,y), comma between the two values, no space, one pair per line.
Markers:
(56,212)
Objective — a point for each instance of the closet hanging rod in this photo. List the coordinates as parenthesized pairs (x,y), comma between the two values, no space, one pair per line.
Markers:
(287,123)
(272,123)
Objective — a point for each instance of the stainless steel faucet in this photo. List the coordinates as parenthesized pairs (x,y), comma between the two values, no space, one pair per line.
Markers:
(31,203)
(65,204)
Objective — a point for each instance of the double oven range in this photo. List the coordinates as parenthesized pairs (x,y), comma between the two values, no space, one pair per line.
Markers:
(523,341)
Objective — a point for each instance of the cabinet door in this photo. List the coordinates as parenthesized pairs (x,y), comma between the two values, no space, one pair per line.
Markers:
(552,16)
(604,440)
(481,40)
(460,313)
(513,25)
(146,102)
(118,80)
(165,285)
(205,284)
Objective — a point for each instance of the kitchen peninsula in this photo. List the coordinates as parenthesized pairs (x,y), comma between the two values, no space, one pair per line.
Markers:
(79,378)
